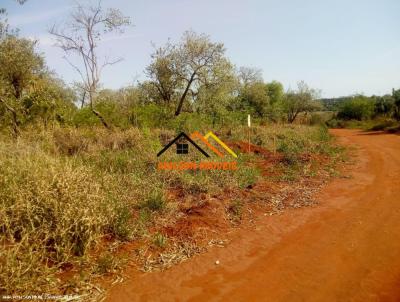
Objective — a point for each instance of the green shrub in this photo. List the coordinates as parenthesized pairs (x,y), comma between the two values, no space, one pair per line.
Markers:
(247,176)
(335,123)
(356,108)
(382,124)
(121,225)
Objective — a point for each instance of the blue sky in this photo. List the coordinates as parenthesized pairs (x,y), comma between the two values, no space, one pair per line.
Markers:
(340,47)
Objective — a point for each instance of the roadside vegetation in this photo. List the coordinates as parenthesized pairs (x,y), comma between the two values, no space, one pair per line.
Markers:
(373,113)
(66,193)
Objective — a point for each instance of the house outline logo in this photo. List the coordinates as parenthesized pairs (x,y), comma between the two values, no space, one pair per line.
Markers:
(182,135)
(182,150)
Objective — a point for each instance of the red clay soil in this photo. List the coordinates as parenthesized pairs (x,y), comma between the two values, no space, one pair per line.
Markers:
(345,249)
(198,219)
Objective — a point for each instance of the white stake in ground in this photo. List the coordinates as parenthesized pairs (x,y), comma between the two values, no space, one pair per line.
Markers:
(249,124)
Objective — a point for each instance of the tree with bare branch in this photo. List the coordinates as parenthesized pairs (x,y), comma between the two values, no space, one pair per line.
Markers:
(179,70)
(81,37)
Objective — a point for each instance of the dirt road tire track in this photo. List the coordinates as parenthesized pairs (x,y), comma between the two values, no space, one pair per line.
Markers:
(345,249)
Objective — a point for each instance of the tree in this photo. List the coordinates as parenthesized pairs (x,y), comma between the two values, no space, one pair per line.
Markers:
(49,100)
(384,105)
(248,75)
(358,107)
(215,97)
(302,100)
(396,97)
(81,37)
(274,91)
(262,99)
(22,66)
(255,96)
(162,74)
(180,70)
(81,93)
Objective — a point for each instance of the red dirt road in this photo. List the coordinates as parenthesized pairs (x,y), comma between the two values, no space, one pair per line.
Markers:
(345,249)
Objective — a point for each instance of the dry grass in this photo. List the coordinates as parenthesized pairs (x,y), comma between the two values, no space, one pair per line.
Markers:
(64,191)
(52,212)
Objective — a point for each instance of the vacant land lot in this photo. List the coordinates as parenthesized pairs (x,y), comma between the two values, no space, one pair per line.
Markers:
(346,249)
(80,204)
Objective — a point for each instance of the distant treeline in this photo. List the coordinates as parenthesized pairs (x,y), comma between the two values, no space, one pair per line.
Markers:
(360,107)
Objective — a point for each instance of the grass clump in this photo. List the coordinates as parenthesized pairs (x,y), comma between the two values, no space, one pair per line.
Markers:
(247,176)
(107,263)
(235,209)
(155,202)
(160,240)
(121,225)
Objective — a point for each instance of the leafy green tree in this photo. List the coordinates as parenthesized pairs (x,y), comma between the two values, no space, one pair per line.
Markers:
(164,80)
(215,97)
(274,91)
(22,66)
(358,107)
(384,105)
(396,98)
(299,101)
(49,100)
(179,70)
(255,97)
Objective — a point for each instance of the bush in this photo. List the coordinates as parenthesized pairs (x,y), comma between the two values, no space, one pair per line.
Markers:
(335,123)
(382,124)
(356,108)
(247,176)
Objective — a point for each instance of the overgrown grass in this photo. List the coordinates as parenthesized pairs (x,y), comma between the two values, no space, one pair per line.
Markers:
(63,191)
(52,212)
(296,144)
(376,124)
